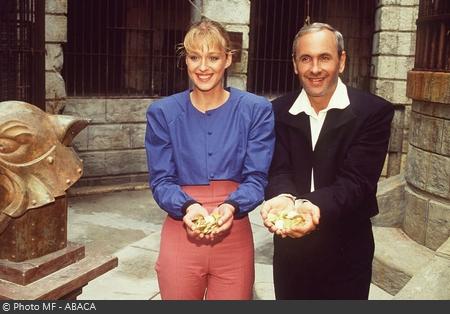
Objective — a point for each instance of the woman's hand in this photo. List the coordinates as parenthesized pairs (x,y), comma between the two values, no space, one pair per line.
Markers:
(274,206)
(193,211)
(225,222)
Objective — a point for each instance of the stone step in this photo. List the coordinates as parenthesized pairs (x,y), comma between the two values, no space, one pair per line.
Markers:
(433,281)
(397,259)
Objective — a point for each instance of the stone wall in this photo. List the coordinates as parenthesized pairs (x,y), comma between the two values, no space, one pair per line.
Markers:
(393,56)
(112,146)
(55,35)
(427,208)
(235,16)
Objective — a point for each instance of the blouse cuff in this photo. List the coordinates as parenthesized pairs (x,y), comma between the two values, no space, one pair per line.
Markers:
(234,204)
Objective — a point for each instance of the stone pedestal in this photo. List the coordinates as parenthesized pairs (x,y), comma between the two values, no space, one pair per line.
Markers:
(38,263)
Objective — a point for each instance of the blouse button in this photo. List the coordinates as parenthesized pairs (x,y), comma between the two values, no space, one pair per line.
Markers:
(209,154)
(211,175)
(209,132)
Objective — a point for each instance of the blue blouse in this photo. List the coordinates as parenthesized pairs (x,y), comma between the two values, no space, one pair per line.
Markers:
(187,147)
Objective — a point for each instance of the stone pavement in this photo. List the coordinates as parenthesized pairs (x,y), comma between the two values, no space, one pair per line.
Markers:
(127,224)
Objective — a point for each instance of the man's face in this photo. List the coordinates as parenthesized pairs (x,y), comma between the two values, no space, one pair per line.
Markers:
(317,64)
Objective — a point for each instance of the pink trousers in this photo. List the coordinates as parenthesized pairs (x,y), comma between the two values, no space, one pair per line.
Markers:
(190,269)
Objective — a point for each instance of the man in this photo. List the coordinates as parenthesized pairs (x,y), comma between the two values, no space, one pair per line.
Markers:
(330,148)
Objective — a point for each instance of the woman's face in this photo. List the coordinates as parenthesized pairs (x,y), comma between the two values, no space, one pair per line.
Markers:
(206,67)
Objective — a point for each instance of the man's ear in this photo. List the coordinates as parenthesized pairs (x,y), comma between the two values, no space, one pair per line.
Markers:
(295,65)
(342,61)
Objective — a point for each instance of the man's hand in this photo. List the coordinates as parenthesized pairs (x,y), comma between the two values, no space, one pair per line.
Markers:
(225,222)
(311,214)
(191,212)
(274,206)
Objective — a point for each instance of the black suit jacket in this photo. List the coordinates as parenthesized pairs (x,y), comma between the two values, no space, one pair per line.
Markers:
(347,160)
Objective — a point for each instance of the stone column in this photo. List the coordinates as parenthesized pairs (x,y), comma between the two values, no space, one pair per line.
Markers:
(427,209)
(393,55)
(235,16)
(55,35)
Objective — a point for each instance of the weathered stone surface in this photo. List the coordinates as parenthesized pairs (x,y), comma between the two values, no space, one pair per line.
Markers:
(240,67)
(106,137)
(394,91)
(444,250)
(391,202)
(396,139)
(431,283)
(397,258)
(426,132)
(237,81)
(53,57)
(416,213)
(393,18)
(434,109)
(80,142)
(94,109)
(55,106)
(137,135)
(55,28)
(398,2)
(219,10)
(417,167)
(394,163)
(392,67)
(438,229)
(445,146)
(390,43)
(94,163)
(438,177)
(55,87)
(125,161)
(56,6)
(127,110)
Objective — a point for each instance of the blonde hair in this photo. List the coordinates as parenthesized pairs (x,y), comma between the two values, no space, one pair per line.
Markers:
(207,33)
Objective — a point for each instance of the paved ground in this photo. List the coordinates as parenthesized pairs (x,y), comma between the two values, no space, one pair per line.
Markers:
(127,224)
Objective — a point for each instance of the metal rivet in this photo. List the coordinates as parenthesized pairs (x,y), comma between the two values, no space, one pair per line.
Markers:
(33,254)
(62,229)
(13,256)
(33,202)
(79,170)
(13,242)
(68,181)
(33,239)
(50,160)
(32,224)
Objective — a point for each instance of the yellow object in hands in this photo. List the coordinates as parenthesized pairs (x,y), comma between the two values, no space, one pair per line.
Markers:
(206,224)
(286,219)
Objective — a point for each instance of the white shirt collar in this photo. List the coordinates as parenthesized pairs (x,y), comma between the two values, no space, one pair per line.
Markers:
(339,100)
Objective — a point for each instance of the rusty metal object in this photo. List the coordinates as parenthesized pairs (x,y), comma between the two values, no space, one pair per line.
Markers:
(36,163)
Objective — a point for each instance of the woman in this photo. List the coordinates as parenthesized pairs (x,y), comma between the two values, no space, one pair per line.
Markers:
(209,151)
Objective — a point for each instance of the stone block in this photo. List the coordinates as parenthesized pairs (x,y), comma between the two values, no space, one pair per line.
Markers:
(394,164)
(396,18)
(394,43)
(126,161)
(127,110)
(430,283)
(55,87)
(237,81)
(93,163)
(240,67)
(228,11)
(56,6)
(80,142)
(417,167)
(426,132)
(55,106)
(444,250)
(438,182)
(94,109)
(392,67)
(111,136)
(445,145)
(438,229)
(416,212)
(53,57)
(397,258)
(244,29)
(398,2)
(137,135)
(396,139)
(394,91)
(55,28)
(391,202)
